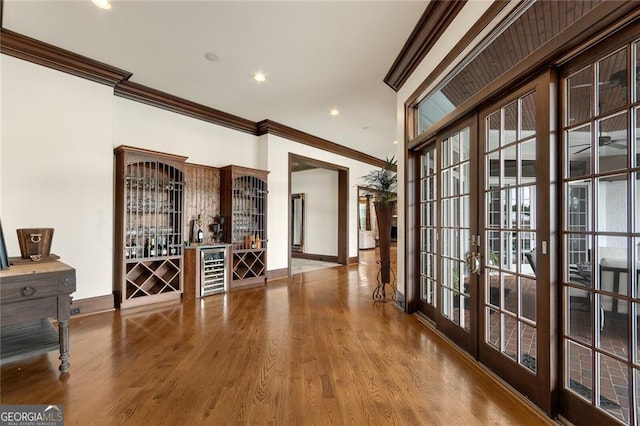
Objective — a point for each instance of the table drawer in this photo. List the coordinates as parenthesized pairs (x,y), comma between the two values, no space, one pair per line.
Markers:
(32,289)
(29,310)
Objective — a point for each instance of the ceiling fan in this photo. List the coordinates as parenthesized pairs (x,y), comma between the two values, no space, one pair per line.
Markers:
(617,79)
(603,141)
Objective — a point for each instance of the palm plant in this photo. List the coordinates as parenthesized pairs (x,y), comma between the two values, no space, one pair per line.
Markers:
(384,181)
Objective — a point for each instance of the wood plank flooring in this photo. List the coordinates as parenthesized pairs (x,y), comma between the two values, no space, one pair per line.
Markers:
(310,350)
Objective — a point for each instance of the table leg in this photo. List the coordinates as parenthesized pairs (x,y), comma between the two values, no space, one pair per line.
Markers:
(63,331)
(64,306)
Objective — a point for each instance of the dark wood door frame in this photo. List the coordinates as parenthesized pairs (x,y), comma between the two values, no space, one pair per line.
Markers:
(343,203)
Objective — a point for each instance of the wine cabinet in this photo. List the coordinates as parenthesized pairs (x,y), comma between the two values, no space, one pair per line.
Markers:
(149,202)
(244,205)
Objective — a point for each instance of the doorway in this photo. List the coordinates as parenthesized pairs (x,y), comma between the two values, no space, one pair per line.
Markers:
(318,191)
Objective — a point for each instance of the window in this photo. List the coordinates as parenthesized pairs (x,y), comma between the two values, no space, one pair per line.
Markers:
(530,26)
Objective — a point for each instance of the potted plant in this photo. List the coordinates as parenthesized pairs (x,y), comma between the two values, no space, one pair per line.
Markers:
(384,182)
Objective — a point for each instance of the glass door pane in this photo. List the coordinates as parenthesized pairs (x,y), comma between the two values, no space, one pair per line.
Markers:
(428,226)
(455,205)
(510,302)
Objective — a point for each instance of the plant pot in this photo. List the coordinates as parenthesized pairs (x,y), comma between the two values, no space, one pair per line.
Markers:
(384,217)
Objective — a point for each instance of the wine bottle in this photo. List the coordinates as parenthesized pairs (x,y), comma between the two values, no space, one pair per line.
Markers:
(200,232)
(152,248)
(133,250)
(172,247)
(163,246)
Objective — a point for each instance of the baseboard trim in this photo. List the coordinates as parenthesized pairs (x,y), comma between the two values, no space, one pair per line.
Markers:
(354,260)
(92,305)
(320,257)
(277,274)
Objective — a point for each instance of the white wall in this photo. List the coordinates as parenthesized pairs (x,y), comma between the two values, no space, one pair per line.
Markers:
(144,126)
(56,160)
(463,22)
(57,167)
(320,189)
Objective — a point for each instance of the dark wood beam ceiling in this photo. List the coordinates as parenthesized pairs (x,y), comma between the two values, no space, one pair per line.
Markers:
(538,25)
(480,80)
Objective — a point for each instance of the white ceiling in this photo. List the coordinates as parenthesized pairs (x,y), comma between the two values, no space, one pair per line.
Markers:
(316,56)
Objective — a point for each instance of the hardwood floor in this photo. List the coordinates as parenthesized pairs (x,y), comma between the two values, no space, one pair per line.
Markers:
(310,350)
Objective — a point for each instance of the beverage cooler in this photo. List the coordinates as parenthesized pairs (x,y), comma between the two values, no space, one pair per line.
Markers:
(207,270)
(214,269)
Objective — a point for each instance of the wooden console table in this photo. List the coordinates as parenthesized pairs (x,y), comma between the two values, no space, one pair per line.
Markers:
(31,293)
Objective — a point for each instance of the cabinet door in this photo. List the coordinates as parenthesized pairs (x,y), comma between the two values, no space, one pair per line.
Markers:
(153,210)
(249,213)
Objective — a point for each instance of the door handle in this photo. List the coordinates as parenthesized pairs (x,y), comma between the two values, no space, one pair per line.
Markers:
(473,263)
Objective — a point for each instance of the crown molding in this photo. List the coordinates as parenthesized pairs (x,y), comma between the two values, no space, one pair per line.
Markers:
(274,128)
(50,56)
(434,21)
(38,52)
(146,95)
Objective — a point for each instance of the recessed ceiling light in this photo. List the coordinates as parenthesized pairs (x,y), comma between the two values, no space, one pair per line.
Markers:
(102,4)
(212,57)
(395,142)
(334,112)
(259,77)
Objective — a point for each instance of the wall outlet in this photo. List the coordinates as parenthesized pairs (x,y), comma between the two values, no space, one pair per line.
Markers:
(75,311)
(400,300)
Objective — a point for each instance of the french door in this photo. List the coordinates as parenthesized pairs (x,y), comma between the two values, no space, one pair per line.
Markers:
(448,225)
(485,208)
